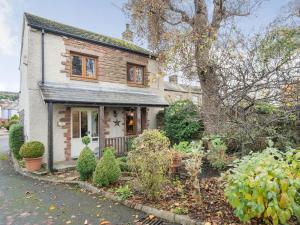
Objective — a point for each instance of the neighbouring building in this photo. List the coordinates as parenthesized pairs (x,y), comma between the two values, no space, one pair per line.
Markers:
(174,91)
(76,83)
(8,109)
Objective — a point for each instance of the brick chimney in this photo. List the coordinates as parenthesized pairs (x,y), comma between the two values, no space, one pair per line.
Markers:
(127,35)
(173,79)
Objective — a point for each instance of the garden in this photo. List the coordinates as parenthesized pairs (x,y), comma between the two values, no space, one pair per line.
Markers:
(180,169)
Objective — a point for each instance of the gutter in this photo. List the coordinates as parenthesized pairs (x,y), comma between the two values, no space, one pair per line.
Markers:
(53,31)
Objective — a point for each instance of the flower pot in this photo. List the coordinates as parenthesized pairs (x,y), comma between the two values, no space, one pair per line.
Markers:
(33,164)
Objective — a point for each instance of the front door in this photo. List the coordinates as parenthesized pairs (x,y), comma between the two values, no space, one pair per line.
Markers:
(84,122)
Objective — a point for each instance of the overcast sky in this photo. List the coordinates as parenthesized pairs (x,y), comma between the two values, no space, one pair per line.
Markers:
(102,16)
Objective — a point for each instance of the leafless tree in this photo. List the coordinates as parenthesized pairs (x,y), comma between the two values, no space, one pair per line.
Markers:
(186,31)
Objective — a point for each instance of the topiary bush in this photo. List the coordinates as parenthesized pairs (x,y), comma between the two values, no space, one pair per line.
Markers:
(32,149)
(16,139)
(107,169)
(150,161)
(265,185)
(86,163)
(182,121)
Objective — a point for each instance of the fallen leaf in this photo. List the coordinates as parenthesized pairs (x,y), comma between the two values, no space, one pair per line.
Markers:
(52,207)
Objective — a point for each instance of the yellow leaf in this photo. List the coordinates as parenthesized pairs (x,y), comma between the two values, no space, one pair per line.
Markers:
(52,207)
(151,217)
(248,196)
(284,199)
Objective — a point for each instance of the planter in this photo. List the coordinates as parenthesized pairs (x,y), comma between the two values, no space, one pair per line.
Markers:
(33,164)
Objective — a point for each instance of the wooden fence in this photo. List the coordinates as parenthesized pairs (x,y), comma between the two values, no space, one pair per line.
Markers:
(120,144)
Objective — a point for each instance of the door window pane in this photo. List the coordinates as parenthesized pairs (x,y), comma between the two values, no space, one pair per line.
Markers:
(90,67)
(75,124)
(76,65)
(130,122)
(130,75)
(84,124)
(94,124)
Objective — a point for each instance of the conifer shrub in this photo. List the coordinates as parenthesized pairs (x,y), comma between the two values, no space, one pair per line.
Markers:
(32,149)
(16,139)
(107,169)
(86,162)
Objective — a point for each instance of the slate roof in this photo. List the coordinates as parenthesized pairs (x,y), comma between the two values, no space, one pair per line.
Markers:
(169,86)
(106,94)
(74,32)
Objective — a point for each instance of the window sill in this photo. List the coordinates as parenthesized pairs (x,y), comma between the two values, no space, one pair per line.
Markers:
(94,80)
(136,85)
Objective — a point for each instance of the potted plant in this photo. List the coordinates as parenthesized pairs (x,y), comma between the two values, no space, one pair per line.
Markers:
(32,153)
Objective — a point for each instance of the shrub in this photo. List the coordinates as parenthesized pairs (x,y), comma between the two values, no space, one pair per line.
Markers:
(15,117)
(107,169)
(86,140)
(86,163)
(32,149)
(16,139)
(123,163)
(182,121)
(217,156)
(124,192)
(265,185)
(185,147)
(149,161)
(10,123)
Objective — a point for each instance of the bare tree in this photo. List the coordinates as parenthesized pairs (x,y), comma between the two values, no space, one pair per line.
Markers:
(186,31)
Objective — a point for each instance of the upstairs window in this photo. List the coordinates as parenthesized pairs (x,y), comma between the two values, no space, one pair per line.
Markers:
(135,74)
(83,66)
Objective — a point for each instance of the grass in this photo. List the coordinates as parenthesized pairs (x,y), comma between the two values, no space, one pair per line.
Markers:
(3,156)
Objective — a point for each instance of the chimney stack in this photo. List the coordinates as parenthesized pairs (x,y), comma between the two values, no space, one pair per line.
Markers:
(173,79)
(127,35)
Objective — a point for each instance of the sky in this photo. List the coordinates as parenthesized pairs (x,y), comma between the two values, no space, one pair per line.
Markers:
(101,16)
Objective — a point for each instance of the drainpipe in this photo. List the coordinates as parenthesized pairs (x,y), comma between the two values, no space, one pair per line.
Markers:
(43,56)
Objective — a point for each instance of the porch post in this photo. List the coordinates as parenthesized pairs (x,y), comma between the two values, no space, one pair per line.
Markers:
(101,130)
(50,136)
(138,120)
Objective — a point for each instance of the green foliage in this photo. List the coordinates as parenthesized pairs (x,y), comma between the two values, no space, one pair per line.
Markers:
(10,123)
(265,185)
(149,162)
(123,163)
(124,192)
(216,155)
(180,210)
(86,163)
(16,139)
(185,147)
(130,144)
(182,121)
(107,169)
(32,149)
(86,140)
(9,96)
(15,117)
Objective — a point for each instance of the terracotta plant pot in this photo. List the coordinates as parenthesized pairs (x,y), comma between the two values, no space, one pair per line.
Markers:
(33,164)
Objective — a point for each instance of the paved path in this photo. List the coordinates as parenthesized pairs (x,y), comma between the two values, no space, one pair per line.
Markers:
(25,201)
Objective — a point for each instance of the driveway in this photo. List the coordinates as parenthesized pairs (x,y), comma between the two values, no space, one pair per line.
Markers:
(25,201)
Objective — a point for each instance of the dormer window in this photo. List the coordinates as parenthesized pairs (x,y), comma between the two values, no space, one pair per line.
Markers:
(83,66)
(135,73)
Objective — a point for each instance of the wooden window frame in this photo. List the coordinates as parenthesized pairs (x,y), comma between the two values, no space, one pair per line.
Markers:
(135,74)
(83,67)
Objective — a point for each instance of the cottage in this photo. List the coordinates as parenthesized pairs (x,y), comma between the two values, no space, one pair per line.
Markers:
(76,83)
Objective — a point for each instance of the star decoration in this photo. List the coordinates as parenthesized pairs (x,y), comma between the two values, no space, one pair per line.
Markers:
(117,122)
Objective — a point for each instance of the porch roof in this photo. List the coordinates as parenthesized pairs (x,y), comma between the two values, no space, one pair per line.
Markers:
(103,94)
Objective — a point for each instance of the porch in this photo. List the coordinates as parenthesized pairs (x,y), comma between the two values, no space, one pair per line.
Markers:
(111,120)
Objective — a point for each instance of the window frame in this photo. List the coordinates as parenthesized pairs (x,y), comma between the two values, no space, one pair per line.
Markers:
(83,58)
(135,74)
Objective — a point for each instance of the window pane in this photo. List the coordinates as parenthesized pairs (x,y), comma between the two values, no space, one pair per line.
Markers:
(130,123)
(75,124)
(94,124)
(76,65)
(84,124)
(139,78)
(130,75)
(90,67)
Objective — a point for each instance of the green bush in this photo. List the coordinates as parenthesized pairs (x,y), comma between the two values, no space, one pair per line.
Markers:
(10,123)
(183,146)
(216,155)
(107,169)
(182,121)
(123,163)
(86,140)
(15,117)
(149,162)
(16,139)
(265,185)
(124,192)
(86,163)
(32,149)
